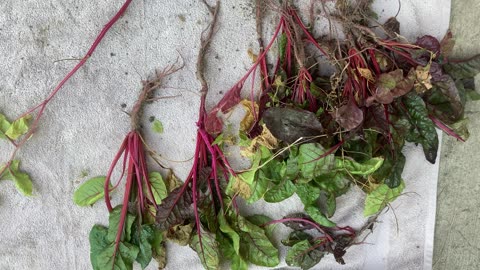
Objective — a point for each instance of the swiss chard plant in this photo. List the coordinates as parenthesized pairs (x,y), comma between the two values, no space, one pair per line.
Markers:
(131,235)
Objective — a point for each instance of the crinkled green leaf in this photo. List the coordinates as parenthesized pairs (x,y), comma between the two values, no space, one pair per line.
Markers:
(159,189)
(335,182)
(143,238)
(22,180)
(157,127)
(18,128)
(238,263)
(98,242)
(394,178)
(207,249)
(260,221)
(423,129)
(230,232)
(114,223)
(463,69)
(255,246)
(280,192)
(308,193)
(355,168)
(315,213)
(4,126)
(311,163)
(228,252)
(303,255)
(90,192)
(380,197)
(122,259)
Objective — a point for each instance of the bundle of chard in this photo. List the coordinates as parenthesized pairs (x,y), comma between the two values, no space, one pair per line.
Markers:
(316,136)
(200,213)
(130,235)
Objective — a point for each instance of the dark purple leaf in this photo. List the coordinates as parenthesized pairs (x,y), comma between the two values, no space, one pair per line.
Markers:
(392,26)
(349,116)
(430,43)
(289,124)
(444,100)
(175,209)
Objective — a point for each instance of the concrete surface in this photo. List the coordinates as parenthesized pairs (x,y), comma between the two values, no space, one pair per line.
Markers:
(457,241)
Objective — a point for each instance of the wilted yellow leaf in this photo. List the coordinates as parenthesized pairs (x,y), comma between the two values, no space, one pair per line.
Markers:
(249,118)
(367,74)
(252,55)
(423,82)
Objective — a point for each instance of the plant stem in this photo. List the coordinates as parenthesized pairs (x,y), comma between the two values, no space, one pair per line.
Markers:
(44,103)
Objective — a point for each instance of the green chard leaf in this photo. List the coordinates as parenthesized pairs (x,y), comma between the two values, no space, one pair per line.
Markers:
(446,100)
(380,197)
(230,232)
(423,129)
(143,238)
(102,251)
(303,255)
(207,249)
(159,189)
(394,171)
(157,127)
(123,259)
(314,212)
(311,163)
(352,167)
(248,184)
(463,69)
(18,128)
(98,242)
(255,246)
(114,222)
(309,195)
(90,192)
(260,220)
(296,237)
(22,181)
(4,126)
(280,192)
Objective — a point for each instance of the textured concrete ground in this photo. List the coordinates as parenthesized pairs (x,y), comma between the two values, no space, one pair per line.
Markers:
(456,237)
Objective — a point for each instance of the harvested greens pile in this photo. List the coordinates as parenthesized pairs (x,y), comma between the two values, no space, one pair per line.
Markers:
(306,132)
